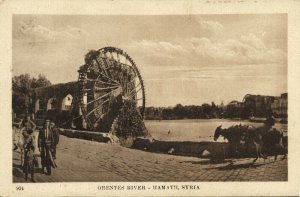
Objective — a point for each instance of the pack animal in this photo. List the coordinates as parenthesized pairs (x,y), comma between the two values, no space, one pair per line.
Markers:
(235,136)
(265,142)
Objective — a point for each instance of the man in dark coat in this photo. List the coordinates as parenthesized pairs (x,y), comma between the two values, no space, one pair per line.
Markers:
(48,139)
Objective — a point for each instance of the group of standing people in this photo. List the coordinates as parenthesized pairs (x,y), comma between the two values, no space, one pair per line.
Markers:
(48,138)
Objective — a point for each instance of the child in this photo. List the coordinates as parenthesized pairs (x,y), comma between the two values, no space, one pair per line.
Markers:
(29,158)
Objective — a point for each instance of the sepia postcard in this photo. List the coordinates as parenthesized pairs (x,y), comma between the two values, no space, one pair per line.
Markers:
(149,98)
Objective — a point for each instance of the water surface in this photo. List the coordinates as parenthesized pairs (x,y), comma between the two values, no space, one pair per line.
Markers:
(193,129)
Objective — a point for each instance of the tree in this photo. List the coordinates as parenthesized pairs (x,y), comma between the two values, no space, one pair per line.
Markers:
(179,111)
(22,91)
(207,110)
(41,81)
(167,113)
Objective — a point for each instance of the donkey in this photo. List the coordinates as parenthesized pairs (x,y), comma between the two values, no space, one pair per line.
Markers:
(235,136)
(265,141)
(253,136)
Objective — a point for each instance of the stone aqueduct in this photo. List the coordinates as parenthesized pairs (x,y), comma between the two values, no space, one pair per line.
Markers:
(58,102)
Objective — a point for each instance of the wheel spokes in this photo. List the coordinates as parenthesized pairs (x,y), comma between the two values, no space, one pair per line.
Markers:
(103,96)
(102,82)
(134,93)
(108,88)
(100,117)
(101,68)
(111,73)
(110,85)
(139,84)
(107,63)
(109,78)
(138,99)
(97,107)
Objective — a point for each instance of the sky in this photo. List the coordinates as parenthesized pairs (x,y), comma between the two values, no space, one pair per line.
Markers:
(187,59)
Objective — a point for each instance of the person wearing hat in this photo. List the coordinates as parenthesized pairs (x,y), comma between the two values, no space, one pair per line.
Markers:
(263,131)
(268,125)
(47,145)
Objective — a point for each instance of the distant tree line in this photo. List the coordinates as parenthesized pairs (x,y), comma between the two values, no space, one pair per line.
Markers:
(204,111)
(22,103)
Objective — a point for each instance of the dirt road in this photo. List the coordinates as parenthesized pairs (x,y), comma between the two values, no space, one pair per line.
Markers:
(87,161)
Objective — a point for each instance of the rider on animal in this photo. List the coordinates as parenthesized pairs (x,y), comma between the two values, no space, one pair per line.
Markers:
(266,138)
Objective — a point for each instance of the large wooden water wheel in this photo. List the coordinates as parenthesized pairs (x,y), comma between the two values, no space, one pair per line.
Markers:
(110,84)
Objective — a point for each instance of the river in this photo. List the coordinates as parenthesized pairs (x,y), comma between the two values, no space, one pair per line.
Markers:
(193,129)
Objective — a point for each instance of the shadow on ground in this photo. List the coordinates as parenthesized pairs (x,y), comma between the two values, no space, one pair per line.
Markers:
(233,166)
(17,171)
(207,162)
